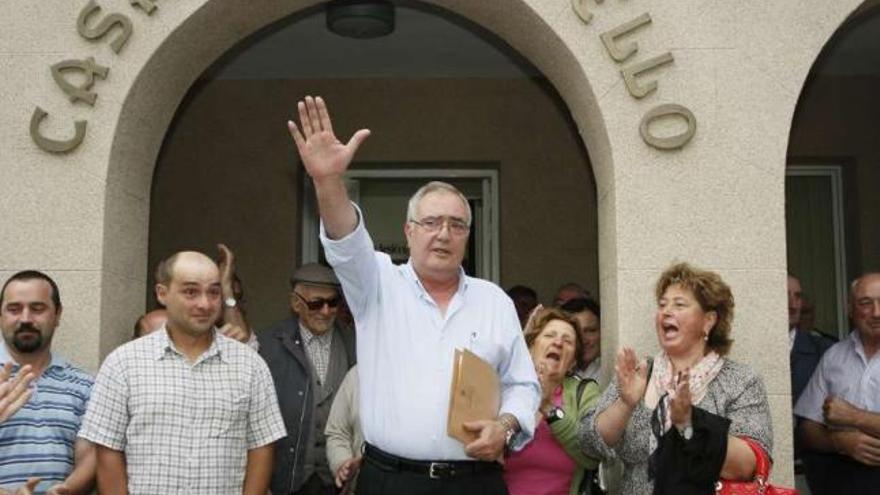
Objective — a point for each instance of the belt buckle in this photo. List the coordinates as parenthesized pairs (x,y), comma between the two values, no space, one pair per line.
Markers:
(440,470)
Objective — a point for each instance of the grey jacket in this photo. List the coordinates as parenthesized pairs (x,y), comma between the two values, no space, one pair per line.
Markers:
(736,393)
(299,396)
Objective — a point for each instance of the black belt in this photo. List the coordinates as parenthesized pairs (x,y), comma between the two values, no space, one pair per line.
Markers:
(432,469)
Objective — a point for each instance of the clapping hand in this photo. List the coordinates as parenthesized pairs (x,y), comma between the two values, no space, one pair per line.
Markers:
(60,489)
(680,406)
(632,376)
(26,489)
(14,392)
(323,155)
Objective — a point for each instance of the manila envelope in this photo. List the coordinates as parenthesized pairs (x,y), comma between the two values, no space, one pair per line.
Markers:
(475,394)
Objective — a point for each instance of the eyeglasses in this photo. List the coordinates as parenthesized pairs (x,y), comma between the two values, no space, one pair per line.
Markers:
(317,304)
(457,226)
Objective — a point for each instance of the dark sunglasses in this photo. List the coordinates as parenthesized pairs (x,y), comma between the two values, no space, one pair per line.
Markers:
(316,304)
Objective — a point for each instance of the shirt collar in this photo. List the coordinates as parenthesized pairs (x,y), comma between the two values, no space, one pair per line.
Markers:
(856,338)
(308,336)
(163,345)
(55,361)
(411,274)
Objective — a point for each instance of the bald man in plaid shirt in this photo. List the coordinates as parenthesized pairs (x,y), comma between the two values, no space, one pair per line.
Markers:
(184,410)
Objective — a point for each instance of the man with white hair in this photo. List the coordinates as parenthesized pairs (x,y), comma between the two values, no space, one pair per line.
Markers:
(840,406)
(410,319)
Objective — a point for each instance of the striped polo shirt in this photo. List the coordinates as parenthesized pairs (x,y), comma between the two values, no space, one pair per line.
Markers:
(39,439)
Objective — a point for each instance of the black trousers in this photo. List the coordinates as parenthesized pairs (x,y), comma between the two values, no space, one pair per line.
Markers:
(315,486)
(374,480)
(833,474)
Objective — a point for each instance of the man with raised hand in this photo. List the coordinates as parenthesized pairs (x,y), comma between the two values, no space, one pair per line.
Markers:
(184,409)
(410,319)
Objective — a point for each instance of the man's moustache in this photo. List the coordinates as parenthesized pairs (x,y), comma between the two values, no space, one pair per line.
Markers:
(26,327)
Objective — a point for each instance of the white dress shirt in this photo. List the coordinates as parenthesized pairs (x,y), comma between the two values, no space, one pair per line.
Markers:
(405,348)
(844,372)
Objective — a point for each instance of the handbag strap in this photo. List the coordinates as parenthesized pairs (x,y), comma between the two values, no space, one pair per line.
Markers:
(762,460)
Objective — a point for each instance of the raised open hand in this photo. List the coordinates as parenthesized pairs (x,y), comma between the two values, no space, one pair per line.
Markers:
(323,155)
(632,376)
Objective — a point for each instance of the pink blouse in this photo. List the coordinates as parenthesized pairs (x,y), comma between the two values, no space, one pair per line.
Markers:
(542,467)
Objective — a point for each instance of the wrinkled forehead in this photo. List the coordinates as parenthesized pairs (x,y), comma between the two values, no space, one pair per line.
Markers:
(558,327)
(868,286)
(442,203)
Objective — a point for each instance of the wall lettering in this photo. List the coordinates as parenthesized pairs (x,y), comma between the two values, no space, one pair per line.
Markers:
(668,110)
(631,72)
(55,145)
(147,6)
(88,69)
(621,52)
(580,8)
(103,27)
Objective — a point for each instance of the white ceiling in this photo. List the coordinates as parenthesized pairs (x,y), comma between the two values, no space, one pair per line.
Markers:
(428,44)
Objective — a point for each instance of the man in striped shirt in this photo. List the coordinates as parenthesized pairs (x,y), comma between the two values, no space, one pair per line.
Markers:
(39,441)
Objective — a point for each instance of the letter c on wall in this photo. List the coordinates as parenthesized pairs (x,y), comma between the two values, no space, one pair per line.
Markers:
(54,145)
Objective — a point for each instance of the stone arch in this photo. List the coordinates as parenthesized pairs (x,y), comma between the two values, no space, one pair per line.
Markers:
(193,43)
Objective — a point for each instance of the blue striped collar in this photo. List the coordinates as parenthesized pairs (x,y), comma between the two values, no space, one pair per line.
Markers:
(56,361)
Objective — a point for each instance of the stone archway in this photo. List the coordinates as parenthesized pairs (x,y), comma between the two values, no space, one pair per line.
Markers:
(177,61)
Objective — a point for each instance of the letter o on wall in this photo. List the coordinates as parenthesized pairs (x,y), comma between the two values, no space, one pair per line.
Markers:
(668,110)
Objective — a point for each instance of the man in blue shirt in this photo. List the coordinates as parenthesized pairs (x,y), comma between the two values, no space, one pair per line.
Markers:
(410,319)
(39,441)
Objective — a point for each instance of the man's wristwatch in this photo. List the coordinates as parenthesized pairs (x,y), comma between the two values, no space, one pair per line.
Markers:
(511,428)
(554,415)
(230,302)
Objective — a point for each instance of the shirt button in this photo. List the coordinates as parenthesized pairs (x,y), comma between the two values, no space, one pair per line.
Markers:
(300,393)
(292,450)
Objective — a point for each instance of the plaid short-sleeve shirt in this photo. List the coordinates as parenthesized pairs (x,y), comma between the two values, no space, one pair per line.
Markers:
(184,427)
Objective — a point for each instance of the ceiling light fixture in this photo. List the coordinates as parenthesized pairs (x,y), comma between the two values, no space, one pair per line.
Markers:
(361,19)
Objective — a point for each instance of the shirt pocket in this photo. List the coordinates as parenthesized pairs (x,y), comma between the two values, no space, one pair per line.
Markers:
(228,418)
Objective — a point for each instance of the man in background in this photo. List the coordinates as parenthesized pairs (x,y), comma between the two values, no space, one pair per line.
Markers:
(308,355)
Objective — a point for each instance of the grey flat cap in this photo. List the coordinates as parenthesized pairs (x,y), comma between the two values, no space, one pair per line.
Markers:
(314,274)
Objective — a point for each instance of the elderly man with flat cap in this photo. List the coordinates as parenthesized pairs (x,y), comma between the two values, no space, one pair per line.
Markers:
(308,355)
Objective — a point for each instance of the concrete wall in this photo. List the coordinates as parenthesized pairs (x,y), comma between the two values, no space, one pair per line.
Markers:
(739,66)
(229,172)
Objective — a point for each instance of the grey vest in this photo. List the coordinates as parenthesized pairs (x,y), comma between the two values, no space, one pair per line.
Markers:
(323,394)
